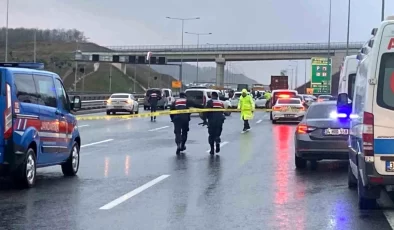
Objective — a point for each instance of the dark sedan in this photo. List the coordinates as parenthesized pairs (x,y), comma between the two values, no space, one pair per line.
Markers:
(322,134)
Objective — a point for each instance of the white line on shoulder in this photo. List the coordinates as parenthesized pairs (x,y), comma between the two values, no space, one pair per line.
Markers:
(136,191)
(158,128)
(96,143)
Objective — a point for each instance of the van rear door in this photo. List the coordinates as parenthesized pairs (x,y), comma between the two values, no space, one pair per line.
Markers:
(383,103)
(2,112)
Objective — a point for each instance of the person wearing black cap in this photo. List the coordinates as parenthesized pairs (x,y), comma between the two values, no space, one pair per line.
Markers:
(181,121)
(154,98)
(215,122)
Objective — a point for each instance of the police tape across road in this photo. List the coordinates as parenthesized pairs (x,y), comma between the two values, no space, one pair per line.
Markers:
(168,112)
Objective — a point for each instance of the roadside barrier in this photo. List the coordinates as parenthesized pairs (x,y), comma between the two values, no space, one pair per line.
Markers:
(160,113)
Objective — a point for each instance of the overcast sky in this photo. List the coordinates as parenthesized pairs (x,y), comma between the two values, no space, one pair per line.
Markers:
(132,22)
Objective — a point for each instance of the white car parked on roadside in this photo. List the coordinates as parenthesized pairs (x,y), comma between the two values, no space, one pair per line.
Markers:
(260,102)
(122,102)
(288,109)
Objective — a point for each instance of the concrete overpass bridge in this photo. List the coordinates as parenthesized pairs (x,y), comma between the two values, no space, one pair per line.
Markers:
(226,52)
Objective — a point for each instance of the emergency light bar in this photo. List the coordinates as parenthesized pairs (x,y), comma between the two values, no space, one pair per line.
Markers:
(342,115)
(29,65)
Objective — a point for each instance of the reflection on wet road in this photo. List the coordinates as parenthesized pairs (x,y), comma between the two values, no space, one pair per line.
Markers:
(251,184)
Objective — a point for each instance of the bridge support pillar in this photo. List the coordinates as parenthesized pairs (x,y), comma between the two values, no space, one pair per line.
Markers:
(220,63)
(123,68)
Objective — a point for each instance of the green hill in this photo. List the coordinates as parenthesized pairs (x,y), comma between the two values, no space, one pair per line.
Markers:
(55,49)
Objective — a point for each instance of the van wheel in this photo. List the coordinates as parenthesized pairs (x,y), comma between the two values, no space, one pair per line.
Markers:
(71,166)
(108,113)
(363,202)
(299,162)
(25,175)
(351,179)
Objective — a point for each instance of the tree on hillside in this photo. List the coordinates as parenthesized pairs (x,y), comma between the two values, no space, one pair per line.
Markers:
(20,35)
(283,72)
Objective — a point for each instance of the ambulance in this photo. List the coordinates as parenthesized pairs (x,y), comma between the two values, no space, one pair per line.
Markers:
(371,139)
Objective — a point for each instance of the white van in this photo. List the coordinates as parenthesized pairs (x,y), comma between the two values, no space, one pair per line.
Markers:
(371,139)
(347,76)
(170,97)
(202,95)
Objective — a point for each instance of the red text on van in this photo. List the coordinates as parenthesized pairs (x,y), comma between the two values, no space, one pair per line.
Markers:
(391,44)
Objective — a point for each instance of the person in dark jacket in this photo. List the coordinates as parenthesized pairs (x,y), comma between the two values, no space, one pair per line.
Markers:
(215,122)
(181,121)
(154,97)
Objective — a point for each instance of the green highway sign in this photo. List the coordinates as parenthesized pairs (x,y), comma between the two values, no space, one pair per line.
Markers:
(321,75)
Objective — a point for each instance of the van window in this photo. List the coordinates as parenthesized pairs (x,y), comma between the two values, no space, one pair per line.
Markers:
(167,93)
(62,95)
(46,90)
(350,85)
(25,89)
(385,93)
(194,94)
(209,94)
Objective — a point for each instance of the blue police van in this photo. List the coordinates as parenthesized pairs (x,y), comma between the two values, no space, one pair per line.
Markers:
(38,127)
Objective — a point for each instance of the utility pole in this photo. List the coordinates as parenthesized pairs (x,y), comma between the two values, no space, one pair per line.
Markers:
(76,70)
(35,45)
(305,78)
(6,33)
(198,44)
(110,78)
(383,3)
(348,29)
(183,24)
(135,75)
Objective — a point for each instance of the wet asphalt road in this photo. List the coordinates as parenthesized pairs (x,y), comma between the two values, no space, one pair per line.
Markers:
(251,184)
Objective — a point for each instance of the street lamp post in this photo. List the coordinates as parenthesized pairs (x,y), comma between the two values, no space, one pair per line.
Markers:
(198,44)
(348,29)
(6,33)
(295,81)
(183,23)
(383,1)
(329,32)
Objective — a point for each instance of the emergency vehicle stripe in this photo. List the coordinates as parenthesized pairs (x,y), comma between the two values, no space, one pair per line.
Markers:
(217,104)
(180,102)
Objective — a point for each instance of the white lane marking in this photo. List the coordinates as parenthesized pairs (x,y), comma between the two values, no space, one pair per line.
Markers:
(133,193)
(164,127)
(221,145)
(96,143)
(80,126)
(259,121)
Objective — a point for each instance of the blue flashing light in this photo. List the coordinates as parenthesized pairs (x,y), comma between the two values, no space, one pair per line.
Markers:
(334,114)
(29,65)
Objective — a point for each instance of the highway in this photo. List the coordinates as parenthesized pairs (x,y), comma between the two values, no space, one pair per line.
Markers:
(131,178)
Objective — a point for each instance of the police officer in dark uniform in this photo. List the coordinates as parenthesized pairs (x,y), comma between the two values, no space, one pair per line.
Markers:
(215,122)
(181,121)
(154,97)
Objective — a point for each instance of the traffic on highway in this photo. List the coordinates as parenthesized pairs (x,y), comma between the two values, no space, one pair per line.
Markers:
(203,157)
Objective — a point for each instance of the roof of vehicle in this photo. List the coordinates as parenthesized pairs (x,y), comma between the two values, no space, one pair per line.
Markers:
(202,89)
(121,94)
(324,103)
(284,90)
(27,70)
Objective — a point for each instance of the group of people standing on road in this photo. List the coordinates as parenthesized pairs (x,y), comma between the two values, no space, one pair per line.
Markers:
(213,119)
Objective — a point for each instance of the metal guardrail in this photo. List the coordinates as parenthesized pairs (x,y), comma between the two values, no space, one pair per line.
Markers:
(237,47)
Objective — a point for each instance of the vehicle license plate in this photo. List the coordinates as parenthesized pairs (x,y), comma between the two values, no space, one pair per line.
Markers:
(118,107)
(336,132)
(389,166)
(289,115)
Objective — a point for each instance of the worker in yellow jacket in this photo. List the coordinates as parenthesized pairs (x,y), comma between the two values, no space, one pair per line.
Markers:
(247,107)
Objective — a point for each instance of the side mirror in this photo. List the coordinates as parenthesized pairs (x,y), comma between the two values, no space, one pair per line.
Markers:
(76,103)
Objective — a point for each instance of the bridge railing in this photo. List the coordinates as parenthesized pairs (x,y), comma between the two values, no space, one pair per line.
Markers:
(238,47)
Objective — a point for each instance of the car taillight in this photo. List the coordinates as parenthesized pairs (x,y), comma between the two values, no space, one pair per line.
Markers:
(303,129)
(8,114)
(276,108)
(302,108)
(204,100)
(109,101)
(284,96)
(368,134)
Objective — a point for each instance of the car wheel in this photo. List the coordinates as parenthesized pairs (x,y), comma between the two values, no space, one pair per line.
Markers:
(313,164)
(71,166)
(299,162)
(351,179)
(274,121)
(136,112)
(227,113)
(108,112)
(363,202)
(271,116)
(25,175)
